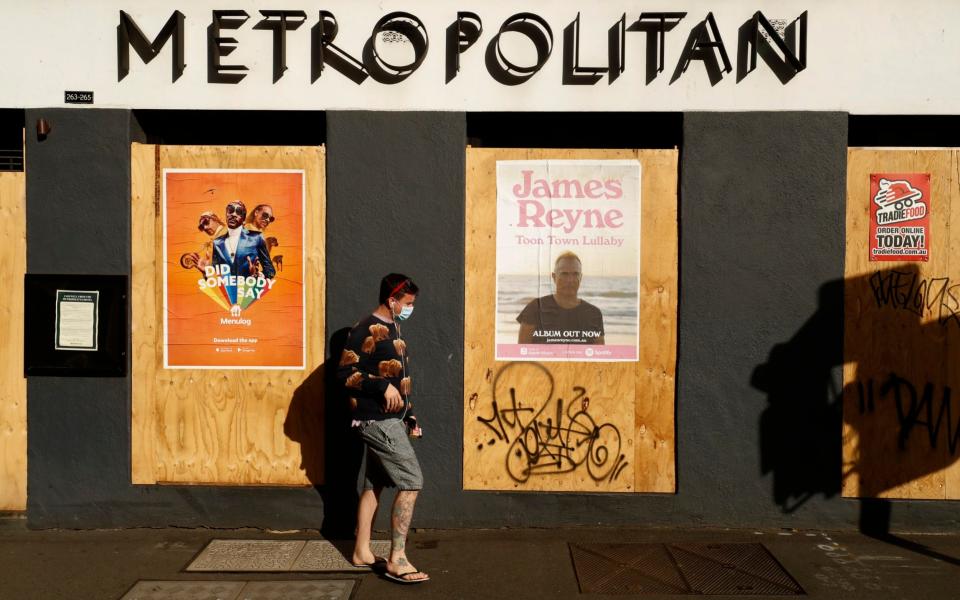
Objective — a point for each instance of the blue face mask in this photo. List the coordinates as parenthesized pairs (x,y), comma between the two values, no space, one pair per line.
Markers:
(405,313)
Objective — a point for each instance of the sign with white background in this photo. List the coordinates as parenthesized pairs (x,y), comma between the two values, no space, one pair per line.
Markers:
(497,55)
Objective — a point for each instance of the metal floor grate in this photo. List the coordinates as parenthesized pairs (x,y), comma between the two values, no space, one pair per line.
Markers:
(681,569)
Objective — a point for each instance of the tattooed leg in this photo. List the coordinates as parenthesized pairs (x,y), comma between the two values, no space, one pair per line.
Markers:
(366,515)
(402,515)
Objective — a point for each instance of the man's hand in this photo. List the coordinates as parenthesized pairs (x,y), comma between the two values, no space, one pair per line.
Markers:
(393,399)
(254,267)
(526,333)
(415,430)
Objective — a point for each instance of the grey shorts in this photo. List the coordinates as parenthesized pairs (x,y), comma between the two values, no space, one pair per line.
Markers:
(391,461)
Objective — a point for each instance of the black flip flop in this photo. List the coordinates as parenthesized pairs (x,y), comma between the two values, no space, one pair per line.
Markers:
(403,578)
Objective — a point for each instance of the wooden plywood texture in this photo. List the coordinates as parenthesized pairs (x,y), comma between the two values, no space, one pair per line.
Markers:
(244,426)
(612,422)
(13,385)
(901,334)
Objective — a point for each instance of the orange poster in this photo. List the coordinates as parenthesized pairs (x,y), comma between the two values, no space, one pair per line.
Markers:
(233,269)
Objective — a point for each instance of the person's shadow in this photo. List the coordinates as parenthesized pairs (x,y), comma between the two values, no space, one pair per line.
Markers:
(888,401)
(319,420)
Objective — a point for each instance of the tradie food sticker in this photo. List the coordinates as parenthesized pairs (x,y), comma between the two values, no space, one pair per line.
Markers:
(900,216)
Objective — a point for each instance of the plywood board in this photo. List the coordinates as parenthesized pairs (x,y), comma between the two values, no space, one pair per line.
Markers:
(628,415)
(13,385)
(242,427)
(901,332)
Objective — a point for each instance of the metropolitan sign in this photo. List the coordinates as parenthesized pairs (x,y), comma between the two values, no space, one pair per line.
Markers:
(557,55)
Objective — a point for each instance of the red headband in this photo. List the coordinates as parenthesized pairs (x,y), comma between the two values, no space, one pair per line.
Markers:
(398,288)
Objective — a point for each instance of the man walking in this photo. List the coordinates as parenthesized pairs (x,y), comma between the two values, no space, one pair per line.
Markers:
(374,368)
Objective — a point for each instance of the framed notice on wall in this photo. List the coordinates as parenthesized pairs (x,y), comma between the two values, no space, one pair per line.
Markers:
(76,321)
(568,260)
(75,325)
(233,269)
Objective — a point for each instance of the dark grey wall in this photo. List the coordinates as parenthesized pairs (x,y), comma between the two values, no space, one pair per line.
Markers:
(395,203)
(762,229)
(760,340)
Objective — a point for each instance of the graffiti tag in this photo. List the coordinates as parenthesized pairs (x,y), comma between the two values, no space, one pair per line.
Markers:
(915,410)
(908,291)
(560,436)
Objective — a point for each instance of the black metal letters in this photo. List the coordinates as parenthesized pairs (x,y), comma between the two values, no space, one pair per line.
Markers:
(461,34)
(218,47)
(656,25)
(781,44)
(280,22)
(324,52)
(128,34)
(409,27)
(538,31)
(704,45)
(573,73)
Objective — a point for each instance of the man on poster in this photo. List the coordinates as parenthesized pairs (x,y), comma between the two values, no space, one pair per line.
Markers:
(260,218)
(562,317)
(245,252)
(211,225)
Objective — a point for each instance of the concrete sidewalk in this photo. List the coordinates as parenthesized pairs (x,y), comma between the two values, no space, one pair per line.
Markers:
(509,563)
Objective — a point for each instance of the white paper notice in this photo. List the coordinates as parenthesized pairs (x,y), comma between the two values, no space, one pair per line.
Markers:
(77,316)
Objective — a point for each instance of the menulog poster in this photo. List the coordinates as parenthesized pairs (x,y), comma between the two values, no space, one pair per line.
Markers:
(233,271)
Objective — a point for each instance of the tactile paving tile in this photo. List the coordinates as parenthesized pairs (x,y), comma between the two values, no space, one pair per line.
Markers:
(329,589)
(185,590)
(321,555)
(683,569)
(247,555)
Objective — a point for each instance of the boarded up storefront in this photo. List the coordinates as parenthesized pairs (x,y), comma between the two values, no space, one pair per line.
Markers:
(902,326)
(572,425)
(226,424)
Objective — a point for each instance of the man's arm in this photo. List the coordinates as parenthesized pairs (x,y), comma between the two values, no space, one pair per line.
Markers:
(217,252)
(526,333)
(351,370)
(528,319)
(263,253)
(354,375)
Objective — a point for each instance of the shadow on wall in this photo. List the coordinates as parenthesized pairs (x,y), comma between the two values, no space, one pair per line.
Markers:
(903,424)
(801,428)
(318,419)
